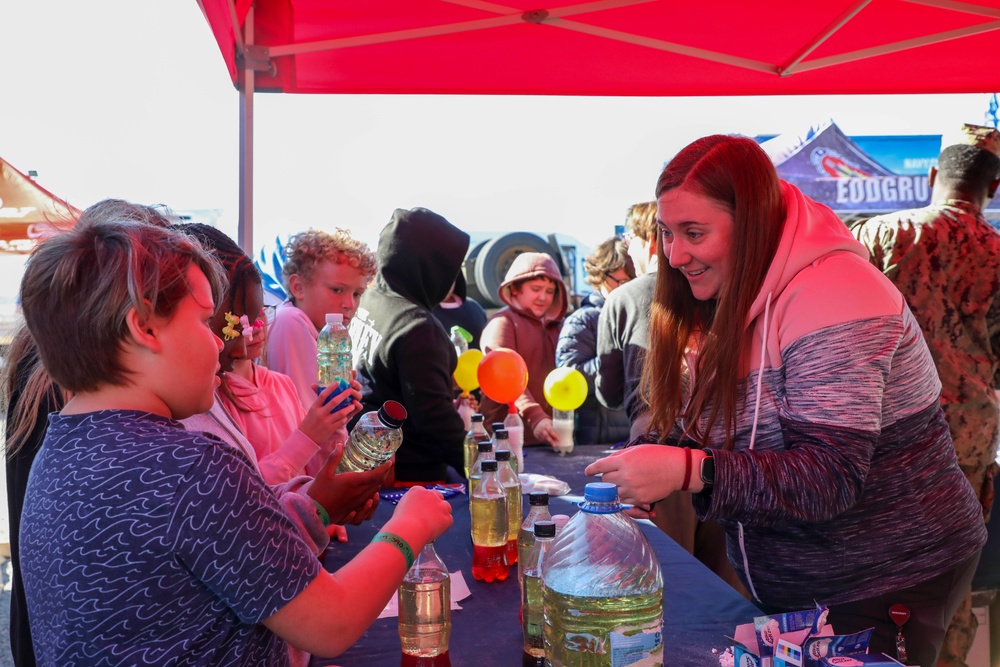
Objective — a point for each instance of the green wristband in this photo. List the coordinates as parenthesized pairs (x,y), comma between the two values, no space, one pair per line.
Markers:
(399,543)
(323,515)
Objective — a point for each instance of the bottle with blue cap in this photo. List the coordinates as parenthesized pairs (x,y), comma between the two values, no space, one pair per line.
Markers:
(602,590)
(334,359)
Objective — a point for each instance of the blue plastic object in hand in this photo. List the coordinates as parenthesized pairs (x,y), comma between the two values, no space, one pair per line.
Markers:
(342,385)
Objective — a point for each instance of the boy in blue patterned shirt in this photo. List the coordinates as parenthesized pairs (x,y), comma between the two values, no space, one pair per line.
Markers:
(145,544)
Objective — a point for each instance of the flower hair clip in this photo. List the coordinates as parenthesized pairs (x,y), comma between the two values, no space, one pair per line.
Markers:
(228,332)
(247,329)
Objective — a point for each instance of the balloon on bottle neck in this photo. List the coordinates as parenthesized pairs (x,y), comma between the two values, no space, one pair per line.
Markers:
(466,371)
(502,375)
(565,388)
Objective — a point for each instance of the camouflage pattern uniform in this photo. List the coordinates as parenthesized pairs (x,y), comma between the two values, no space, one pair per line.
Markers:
(945,259)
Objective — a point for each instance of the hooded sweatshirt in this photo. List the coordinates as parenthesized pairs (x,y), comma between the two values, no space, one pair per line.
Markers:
(533,338)
(403,353)
(850,487)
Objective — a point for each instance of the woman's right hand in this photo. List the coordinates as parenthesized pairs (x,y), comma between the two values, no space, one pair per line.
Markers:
(322,420)
(424,509)
(644,474)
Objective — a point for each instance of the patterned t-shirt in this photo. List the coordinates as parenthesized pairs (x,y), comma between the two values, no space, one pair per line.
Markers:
(144,544)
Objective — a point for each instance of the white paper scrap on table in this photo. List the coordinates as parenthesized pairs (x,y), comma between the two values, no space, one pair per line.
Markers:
(459,591)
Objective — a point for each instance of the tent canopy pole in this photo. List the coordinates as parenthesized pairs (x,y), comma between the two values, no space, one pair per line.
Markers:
(245,229)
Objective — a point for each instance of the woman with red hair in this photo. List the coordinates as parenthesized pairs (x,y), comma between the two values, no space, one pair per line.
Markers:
(803,403)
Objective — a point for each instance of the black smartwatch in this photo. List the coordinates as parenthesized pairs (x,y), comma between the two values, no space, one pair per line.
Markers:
(708,469)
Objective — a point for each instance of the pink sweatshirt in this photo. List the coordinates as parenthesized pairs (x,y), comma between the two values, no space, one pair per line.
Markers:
(291,350)
(268,412)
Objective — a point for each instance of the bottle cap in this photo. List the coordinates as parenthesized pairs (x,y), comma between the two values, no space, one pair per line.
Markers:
(477,417)
(501,434)
(600,492)
(560,520)
(489,466)
(462,333)
(538,498)
(503,455)
(545,529)
(496,426)
(392,414)
(601,498)
(485,446)
(334,318)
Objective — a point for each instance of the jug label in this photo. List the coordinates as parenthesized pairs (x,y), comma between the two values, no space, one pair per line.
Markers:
(636,647)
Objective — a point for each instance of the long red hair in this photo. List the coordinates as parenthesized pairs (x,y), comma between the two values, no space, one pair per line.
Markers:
(735,173)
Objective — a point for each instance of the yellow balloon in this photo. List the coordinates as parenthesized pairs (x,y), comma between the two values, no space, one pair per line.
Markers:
(565,389)
(465,372)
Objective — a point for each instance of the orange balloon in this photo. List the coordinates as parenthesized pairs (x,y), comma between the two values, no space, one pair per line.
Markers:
(503,375)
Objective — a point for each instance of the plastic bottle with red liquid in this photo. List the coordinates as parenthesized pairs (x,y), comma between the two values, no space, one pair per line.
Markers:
(475,433)
(512,487)
(443,660)
(489,526)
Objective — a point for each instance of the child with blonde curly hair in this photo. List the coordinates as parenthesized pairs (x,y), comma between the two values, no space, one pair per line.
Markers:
(324,273)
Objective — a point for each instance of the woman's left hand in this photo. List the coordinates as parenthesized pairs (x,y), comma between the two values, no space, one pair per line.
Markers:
(644,473)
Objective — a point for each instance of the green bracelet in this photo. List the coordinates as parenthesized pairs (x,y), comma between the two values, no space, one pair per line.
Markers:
(399,543)
(323,515)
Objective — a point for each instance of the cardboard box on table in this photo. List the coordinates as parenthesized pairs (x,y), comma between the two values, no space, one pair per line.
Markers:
(802,639)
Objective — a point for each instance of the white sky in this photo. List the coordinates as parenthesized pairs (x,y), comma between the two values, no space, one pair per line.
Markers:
(131,99)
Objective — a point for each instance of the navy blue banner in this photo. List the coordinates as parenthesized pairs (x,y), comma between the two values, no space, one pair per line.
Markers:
(832,169)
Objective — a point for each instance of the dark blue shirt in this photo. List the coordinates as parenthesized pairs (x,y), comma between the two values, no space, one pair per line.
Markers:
(144,544)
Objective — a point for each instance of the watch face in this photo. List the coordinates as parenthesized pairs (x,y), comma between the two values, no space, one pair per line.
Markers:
(708,470)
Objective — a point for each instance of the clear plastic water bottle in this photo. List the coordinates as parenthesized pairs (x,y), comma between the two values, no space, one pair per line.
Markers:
(333,357)
(425,606)
(538,510)
(502,441)
(374,439)
(602,590)
(532,612)
(485,453)
(459,340)
(515,432)
(494,427)
(562,422)
(512,488)
(489,527)
(465,411)
(476,432)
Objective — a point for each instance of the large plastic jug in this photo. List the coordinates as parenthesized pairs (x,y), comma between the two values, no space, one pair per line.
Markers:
(602,589)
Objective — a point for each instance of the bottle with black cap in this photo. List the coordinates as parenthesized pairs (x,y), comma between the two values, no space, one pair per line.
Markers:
(532,613)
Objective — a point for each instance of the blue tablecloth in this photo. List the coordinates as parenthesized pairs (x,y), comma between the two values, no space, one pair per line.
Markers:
(700,610)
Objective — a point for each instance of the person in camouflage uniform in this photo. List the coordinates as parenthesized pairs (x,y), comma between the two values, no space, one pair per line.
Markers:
(945,259)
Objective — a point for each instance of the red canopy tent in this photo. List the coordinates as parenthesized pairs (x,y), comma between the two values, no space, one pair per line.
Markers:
(28,211)
(606,47)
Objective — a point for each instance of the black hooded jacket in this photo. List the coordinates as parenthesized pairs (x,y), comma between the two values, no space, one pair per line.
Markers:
(403,352)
